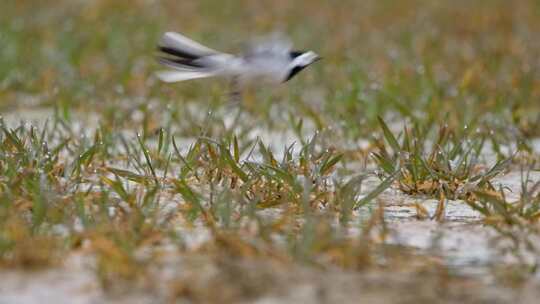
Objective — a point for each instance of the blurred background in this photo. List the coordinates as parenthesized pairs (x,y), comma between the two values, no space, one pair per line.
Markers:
(461,62)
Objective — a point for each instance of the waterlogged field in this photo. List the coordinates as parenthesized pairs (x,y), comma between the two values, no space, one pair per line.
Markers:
(403,168)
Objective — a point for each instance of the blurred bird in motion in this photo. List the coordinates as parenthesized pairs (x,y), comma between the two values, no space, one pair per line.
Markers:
(269,60)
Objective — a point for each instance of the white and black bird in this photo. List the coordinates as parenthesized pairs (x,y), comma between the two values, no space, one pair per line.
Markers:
(269,60)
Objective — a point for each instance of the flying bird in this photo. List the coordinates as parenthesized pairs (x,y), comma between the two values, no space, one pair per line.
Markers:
(267,60)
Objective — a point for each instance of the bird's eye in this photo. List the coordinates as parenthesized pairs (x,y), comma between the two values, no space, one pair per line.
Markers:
(295,54)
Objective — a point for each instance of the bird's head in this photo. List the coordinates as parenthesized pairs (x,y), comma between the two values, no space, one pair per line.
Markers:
(299,61)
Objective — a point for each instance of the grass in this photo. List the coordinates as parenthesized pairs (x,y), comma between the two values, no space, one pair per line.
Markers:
(450,169)
(514,220)
(125,170)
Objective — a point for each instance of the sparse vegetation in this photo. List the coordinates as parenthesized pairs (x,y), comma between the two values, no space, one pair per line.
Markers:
(173,190)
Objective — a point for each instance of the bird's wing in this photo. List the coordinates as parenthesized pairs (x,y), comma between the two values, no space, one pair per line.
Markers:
(180,45)
(273,45)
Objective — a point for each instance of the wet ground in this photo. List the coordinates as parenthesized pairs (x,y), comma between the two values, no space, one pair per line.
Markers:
(458,243)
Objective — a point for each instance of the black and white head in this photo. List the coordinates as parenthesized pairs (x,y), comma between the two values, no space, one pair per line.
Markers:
(299,61)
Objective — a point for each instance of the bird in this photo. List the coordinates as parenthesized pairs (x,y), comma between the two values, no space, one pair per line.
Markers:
(267,60)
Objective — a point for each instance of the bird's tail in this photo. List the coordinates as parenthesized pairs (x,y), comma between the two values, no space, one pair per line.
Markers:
(176,76)
(178,45)
(185,57)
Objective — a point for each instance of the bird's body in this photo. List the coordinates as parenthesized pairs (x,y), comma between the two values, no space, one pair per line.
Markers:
(267,61)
